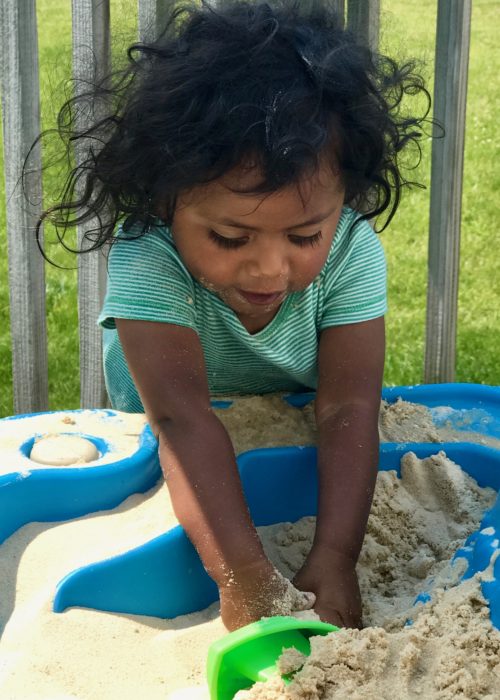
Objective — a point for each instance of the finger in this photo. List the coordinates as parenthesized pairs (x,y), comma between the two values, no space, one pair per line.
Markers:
(333,617)
(303,600)
(351,620)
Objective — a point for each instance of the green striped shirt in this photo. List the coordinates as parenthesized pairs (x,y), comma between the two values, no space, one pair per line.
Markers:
(148,281)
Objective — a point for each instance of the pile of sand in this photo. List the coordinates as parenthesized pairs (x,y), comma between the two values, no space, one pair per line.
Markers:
(262,421)
(403,421)
(51,430)
(450,650)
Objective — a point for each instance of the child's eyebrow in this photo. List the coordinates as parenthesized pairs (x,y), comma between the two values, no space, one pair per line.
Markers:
(314,220)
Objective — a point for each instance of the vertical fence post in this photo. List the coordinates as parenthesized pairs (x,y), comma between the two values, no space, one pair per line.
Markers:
(363,19)
(450,90)
(152,15)
(339,6)
(21,125)
(91,61)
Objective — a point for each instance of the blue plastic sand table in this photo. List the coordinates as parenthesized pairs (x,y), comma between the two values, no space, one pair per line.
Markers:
(164,577)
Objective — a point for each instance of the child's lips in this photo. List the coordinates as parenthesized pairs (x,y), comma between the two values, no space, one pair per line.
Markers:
(261,299)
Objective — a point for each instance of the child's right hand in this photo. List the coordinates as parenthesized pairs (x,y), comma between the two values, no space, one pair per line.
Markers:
(332,576)
(257,591)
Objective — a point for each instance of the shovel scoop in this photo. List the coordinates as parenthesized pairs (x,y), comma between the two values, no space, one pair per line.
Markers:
(250,654)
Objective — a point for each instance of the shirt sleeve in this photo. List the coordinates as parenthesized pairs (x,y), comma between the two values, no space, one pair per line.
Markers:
(355,279)
(147,281)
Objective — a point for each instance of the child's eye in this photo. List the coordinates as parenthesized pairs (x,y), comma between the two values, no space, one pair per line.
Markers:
(224,242)
(302,241)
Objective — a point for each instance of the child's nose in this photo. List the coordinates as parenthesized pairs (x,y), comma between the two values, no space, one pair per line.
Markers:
(269,261)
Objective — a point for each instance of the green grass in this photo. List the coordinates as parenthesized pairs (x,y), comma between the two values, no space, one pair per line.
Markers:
(411,25)
(407,31)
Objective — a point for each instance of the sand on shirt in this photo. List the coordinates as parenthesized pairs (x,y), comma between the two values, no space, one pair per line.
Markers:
(416,523)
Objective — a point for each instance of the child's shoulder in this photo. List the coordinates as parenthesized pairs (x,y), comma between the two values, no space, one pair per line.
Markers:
(139,240)
(355,244)
(352,232)
(351,221)
(138,230)
(137,245)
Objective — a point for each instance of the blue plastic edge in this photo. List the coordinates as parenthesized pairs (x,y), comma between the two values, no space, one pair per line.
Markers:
(53,494)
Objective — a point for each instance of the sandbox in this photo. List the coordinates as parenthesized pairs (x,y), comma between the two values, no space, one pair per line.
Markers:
(445,646)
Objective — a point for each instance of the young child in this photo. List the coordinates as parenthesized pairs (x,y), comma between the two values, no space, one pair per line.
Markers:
(244,153)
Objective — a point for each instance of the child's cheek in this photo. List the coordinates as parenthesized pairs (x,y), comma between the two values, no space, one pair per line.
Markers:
(310,268)
(211,271)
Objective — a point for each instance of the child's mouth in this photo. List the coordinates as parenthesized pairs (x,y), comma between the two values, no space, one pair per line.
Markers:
(261,299)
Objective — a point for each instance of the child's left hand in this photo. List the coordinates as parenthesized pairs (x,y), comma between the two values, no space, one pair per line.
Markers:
(332,577)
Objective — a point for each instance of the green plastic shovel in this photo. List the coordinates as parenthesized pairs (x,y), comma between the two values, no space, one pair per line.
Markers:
(249,654)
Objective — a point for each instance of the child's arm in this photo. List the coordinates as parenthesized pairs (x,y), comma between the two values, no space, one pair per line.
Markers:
(351,360)
(197,459)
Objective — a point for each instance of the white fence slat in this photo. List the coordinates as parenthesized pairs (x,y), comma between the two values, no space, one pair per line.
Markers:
(363,19)
(91,60)
(450,91)
(339,6)
(152,16)
(21,125)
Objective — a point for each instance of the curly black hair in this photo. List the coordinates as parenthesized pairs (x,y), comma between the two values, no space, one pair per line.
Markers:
(269,83)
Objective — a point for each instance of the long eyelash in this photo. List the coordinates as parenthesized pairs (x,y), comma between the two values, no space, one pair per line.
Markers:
(313,240)
(223,242)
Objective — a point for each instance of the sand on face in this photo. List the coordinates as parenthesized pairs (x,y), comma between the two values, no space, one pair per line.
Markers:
(415,526)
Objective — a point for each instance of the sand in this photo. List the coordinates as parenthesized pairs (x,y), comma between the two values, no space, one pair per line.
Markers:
(257,421)
(120,430)
(450,650)
(63,450)
(403,421)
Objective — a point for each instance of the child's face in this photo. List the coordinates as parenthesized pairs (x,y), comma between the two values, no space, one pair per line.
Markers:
(253,250)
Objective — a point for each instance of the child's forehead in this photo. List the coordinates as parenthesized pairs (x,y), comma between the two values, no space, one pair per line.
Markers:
(231,195)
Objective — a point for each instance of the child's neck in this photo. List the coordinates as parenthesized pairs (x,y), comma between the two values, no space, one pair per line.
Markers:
(254,324)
